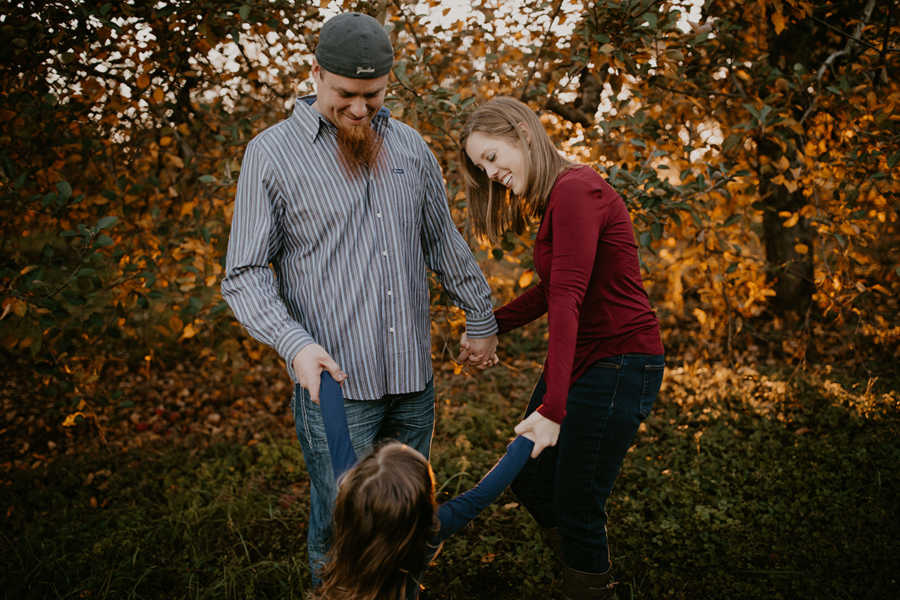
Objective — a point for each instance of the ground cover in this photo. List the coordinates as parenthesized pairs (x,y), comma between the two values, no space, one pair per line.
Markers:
(744,483)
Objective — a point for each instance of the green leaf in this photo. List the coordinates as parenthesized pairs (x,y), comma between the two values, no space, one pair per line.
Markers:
(206,179)
(65,190)
(731,141)
(244,12)
(105,222)
(892,160)
(103,241)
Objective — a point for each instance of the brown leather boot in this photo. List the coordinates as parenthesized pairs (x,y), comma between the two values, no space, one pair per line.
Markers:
(581,585)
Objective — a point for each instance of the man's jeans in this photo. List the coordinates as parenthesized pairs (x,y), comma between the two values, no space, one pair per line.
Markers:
(568,484)
(408,418)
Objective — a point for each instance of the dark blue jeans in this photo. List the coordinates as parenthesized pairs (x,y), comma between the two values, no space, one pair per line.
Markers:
(408,418)
(568,484)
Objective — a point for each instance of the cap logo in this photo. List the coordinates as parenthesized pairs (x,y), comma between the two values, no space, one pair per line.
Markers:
(361,70)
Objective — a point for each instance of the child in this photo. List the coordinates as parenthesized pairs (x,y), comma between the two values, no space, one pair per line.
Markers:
(387,525)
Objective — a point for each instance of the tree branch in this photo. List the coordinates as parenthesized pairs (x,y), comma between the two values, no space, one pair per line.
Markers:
(540,51)
(848,48)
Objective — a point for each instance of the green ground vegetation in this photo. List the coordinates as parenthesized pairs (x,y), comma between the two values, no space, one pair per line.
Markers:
(742,484)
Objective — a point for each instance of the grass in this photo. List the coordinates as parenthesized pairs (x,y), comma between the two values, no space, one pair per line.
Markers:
(742,484)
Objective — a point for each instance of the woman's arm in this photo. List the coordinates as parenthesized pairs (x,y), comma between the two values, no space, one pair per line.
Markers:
(524,309)
(578,218)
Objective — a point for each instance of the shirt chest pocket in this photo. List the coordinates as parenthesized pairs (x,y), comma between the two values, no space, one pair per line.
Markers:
(399,191)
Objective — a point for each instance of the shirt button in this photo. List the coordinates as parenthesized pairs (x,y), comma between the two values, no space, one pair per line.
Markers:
(391,329)
(390,293)
(384,252)
(378,215)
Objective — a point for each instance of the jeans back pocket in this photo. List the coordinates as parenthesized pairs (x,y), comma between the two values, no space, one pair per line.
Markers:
(652,381)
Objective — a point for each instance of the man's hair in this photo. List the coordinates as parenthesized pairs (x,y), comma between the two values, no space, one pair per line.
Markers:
(384,515)
(493,208)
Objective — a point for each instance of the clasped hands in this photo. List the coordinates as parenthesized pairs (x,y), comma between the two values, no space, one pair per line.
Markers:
(478,352)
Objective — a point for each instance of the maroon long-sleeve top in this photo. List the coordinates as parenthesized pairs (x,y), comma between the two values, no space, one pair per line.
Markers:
(590,285)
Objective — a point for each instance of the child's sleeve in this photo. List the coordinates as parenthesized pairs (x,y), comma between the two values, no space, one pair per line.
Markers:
(331,401)
(456,513)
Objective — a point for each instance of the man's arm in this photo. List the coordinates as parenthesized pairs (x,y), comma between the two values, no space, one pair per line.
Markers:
(249,285)
(447,254)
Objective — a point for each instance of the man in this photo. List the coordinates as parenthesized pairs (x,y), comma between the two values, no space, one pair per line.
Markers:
(348,207)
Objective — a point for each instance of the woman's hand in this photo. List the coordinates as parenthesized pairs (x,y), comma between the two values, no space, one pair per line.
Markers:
(544,431)
(478,352)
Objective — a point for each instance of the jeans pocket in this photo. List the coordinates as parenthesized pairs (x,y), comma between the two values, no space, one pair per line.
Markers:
(597,388)
(652,381)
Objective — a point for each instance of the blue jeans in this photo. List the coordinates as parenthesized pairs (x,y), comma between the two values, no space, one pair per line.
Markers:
(568,484)
(408,418)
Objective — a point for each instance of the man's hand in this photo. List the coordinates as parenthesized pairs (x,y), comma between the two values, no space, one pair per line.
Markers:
(308,365)
(478,352)
(545,431)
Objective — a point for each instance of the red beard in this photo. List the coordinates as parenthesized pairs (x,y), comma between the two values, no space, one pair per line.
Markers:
(359,146)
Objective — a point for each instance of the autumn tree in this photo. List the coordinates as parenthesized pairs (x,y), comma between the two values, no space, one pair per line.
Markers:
(122,127)
(755,144)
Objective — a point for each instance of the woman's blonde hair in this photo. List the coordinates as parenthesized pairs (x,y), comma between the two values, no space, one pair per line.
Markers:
(493,208)
(384,515)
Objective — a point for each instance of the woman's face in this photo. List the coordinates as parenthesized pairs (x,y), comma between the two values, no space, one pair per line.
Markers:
(501,158)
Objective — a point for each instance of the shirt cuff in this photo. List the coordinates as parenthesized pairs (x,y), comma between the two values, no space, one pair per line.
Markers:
(553,413)
(289,344)
(481,326)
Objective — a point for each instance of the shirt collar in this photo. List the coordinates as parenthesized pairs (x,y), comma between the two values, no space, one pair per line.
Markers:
(311,121)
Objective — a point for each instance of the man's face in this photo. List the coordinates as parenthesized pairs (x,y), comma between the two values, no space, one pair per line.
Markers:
(347,102)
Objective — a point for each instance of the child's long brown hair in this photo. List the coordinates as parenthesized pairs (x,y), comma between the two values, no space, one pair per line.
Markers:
(384,515)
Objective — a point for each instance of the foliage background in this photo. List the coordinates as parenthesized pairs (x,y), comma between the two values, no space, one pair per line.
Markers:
(755,143)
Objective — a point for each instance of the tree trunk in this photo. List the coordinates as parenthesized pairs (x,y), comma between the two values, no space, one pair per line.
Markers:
(790,271)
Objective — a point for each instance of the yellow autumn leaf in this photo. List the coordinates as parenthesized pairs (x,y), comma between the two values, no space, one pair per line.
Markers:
(158,95)
(778,22)
(783,163)
(71,419)
(526,278)
(165,140)
(189,331)
(801,248)
(700,315)
(143,81)
(791,221)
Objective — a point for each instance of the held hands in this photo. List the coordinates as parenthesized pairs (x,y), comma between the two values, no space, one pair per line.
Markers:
(542,430)
(308,365)
(478,352)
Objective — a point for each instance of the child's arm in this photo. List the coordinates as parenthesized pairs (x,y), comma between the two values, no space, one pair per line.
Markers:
(331,400)
(457,512)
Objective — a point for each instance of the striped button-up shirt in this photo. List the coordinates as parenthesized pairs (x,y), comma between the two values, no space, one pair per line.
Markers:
(317,256)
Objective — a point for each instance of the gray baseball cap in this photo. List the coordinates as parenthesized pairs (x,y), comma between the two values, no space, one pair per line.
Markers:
(355,45)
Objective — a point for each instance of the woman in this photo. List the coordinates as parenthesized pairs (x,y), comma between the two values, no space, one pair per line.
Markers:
(604,363)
